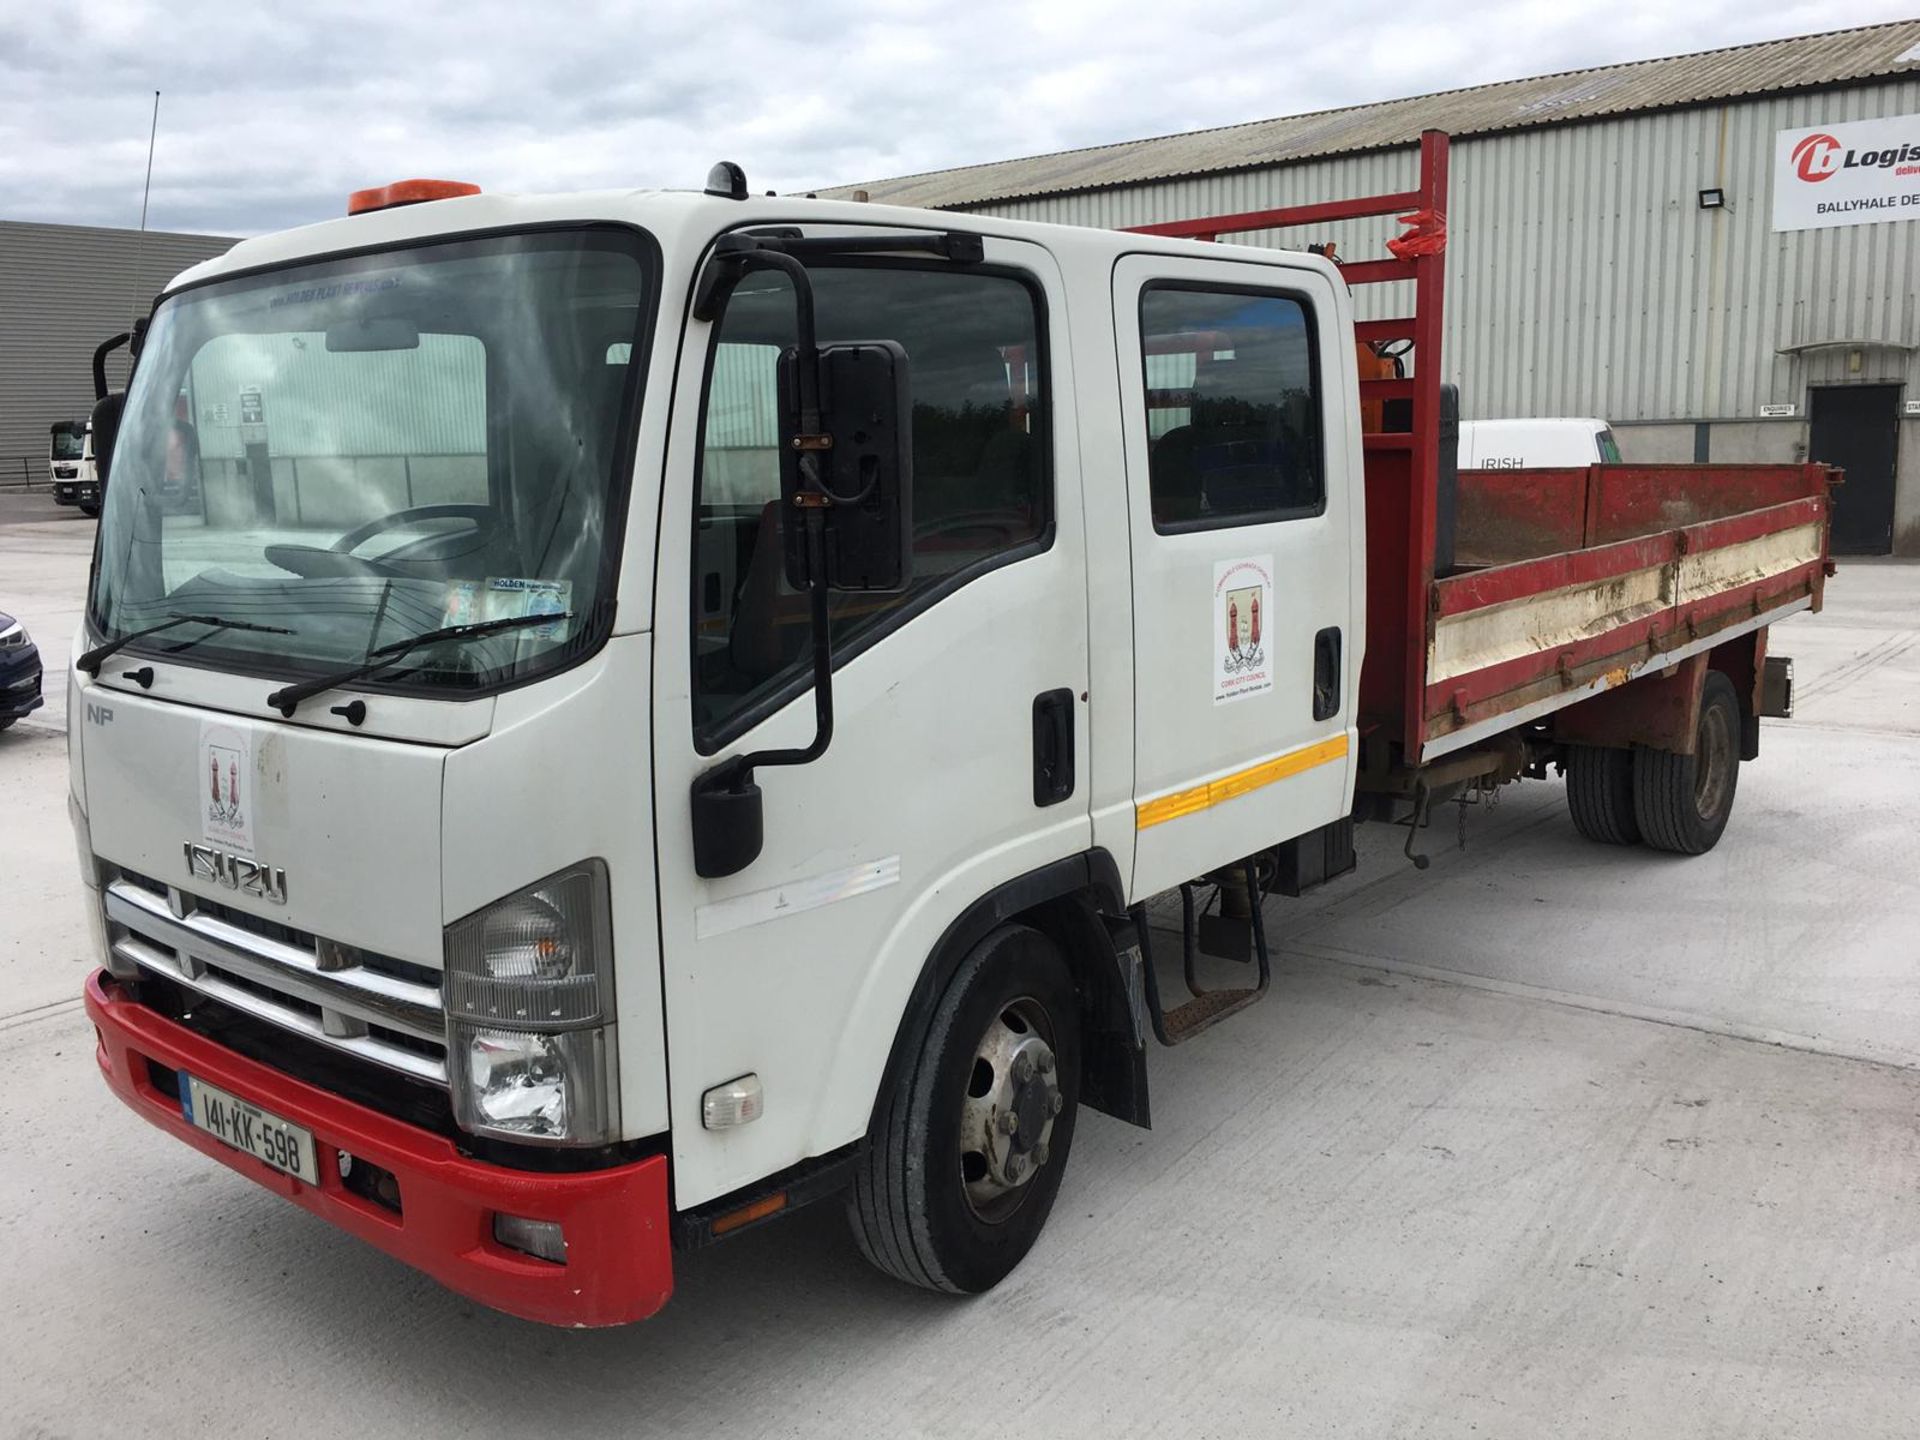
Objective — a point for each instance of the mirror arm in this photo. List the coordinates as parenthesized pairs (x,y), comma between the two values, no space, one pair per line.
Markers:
(807,372)
(726,803)
(822,663)
(104,349)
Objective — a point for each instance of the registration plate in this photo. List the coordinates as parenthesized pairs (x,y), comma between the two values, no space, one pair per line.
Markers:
(247,1127)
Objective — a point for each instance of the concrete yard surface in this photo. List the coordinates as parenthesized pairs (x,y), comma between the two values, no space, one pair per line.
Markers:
(1386,1207)
(1551,1139)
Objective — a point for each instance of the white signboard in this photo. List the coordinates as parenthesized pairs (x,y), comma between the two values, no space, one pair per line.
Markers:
(1853,174)
(1242,619)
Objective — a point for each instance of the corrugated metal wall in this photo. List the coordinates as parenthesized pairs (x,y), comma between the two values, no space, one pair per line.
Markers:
(1584,279)
(64,289)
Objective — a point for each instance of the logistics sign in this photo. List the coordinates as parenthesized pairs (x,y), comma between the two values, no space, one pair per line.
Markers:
(1853,174)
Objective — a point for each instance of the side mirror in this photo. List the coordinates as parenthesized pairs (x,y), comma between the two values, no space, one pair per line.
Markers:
(862,481)
(106,427)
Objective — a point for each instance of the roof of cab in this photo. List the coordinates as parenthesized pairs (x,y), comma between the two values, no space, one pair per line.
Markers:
(669,214)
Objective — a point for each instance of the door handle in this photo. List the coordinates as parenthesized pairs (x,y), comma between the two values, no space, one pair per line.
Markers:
(1052,746)
(1326,673)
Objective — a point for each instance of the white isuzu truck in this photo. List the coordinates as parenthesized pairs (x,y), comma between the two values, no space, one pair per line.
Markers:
(601,720)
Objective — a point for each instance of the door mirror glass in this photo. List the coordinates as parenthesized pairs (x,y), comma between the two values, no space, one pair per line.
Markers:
(861,464)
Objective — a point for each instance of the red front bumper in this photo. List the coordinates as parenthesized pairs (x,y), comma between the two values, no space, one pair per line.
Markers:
(619,1267)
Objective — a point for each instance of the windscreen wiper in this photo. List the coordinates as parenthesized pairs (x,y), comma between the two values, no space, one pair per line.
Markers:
(92,660)
(287,699)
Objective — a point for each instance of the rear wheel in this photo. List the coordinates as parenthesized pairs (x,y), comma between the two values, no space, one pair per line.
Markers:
(968,1150)
(1600,793)
(1683,802)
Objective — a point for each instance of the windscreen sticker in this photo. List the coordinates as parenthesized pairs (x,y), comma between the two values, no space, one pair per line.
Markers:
(501,597)
(225,781)
(313,294)
(1242,611)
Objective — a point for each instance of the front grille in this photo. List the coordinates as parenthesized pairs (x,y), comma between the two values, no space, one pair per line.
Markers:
(385,1011)
(417,1102)
(286,934)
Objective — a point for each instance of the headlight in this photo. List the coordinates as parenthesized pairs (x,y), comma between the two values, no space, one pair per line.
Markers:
(530,1014)
(555,1088)
(14,635)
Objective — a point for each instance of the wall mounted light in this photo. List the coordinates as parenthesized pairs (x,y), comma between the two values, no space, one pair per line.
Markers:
(1714,199)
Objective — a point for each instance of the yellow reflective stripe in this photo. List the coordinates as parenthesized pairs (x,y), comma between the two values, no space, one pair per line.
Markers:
(1240,782)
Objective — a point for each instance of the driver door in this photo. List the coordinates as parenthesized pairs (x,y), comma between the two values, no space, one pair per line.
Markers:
(797,969)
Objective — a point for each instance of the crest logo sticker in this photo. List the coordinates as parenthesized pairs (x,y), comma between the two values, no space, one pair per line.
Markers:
(1242,620)
(224,781)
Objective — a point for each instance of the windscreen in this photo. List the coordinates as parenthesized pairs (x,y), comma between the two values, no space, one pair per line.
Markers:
(68,442)
(359,451)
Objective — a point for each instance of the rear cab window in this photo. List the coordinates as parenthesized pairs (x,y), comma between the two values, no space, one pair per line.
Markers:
(1233,407)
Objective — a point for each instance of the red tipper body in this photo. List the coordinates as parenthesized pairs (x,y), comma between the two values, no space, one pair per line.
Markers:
(619,1267)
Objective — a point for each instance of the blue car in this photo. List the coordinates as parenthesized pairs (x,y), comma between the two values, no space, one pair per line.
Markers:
(19,672)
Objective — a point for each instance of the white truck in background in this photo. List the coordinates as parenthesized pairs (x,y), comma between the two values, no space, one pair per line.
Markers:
(70,467)
(666,707)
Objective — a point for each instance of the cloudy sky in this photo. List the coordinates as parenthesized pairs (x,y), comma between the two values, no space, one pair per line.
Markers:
(272,112)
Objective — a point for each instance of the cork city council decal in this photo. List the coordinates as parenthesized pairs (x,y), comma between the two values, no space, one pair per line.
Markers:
(1242,618)
(224,779)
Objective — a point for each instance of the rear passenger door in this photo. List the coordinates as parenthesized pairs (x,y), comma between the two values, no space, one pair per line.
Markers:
(1246,529)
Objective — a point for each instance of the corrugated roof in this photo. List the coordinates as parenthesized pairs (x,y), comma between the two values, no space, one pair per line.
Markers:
(1837,57)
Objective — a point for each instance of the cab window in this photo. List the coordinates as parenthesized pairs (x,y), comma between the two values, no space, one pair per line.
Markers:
(1233,407)
(982,494)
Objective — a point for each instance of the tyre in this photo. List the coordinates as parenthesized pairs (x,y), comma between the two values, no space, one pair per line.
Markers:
(1682,801)
(969,1146)
(1600,793)
(7,720)
(90,510)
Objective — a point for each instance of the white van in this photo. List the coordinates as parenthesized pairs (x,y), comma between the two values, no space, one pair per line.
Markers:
(1535,444)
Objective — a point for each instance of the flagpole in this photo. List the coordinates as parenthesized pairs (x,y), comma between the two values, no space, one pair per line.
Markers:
(140,249)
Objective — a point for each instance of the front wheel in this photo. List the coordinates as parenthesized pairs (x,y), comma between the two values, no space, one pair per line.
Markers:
(968,1149)
(1683,802)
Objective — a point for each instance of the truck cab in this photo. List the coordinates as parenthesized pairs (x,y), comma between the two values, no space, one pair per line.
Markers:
(459,891)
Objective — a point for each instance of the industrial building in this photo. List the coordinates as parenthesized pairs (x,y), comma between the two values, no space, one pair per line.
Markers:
(64,289)
(1719,253)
